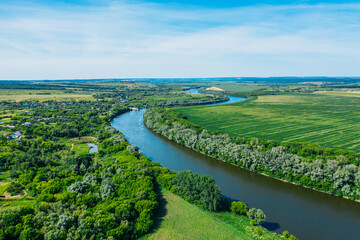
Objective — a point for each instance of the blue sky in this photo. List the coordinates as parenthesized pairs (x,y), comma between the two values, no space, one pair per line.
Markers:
(119,39)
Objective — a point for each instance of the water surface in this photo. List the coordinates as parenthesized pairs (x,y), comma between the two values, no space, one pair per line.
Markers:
(93,148)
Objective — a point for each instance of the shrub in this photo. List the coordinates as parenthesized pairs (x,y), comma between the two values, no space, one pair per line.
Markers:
(239,208)
(285,234)
(80,187)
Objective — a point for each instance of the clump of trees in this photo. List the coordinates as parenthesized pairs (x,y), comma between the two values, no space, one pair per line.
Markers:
(336,176)
(198,188)
(256,216)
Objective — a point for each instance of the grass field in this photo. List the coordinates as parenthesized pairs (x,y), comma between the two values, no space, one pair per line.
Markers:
(3,187)
(241,86)
(179,219)
(42,95)
(325,119)
(80,149)
(340,93)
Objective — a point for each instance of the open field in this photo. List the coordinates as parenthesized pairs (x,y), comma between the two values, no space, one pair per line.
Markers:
(83,139)
(80,149)
(331,121)
(42,95)
(179,219)
(341,93)
(241,86)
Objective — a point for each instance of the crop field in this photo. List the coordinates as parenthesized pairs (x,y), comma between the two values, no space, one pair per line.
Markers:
(341,93)
(325,119)
(232,86)
(241,86)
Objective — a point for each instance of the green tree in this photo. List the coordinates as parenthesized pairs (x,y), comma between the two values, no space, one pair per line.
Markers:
(257,215)
(239,208)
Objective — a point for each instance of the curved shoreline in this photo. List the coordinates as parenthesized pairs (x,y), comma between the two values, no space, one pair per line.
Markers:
(290,206)
(266,175)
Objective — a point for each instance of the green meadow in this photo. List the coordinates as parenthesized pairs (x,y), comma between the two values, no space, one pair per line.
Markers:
(178,219)
(325,119)
(41,95)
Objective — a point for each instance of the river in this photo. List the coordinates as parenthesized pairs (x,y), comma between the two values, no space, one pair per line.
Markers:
(303,212)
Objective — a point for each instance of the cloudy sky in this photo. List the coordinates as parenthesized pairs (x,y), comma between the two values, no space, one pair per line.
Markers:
(68,39)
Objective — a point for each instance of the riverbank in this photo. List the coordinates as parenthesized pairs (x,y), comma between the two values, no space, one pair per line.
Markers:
(273,161)
(306,213)
(263,174)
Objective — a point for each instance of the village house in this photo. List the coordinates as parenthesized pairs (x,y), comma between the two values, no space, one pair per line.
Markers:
(17,134)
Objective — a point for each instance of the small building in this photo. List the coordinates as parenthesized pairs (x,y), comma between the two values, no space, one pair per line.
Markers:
(27,124)
(17,134)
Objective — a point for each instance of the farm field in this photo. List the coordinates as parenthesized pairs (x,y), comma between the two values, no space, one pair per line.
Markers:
(182,220)
(328,120)
(241,86)
(253,86)
(41,95)
(340,93)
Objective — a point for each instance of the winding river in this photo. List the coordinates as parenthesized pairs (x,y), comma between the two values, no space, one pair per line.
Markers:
(303,212)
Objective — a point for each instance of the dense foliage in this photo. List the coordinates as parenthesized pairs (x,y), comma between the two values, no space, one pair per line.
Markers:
(268,157)
(75,195)
(198,188)
(239,208)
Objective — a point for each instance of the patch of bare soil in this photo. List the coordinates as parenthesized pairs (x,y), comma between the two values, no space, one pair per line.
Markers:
(83,139)
(215,89)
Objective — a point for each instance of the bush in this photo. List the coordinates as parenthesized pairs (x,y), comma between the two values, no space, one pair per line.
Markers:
(253,222)
(285,234)
(239,208)
(80,187)
(292,237)
(257,215)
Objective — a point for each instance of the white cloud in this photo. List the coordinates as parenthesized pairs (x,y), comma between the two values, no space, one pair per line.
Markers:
(147,40)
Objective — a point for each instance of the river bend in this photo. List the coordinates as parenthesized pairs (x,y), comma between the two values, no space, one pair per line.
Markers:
(303,212)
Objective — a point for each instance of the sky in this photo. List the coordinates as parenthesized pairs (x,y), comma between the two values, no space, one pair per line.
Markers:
(84,39)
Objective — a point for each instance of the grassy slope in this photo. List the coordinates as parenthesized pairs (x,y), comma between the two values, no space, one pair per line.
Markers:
(332,121)
(179,219)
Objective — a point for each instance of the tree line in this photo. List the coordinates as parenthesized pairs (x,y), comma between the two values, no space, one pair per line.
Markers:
(339,176)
